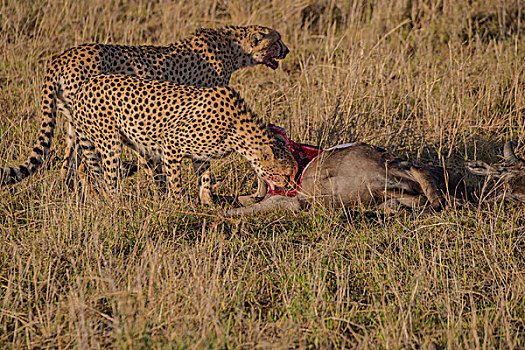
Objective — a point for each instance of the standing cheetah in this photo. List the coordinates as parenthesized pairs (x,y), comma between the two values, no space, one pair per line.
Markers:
(205,59)
(167,122)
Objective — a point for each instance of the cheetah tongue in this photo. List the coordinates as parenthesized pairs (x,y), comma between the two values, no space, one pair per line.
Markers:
(273,64)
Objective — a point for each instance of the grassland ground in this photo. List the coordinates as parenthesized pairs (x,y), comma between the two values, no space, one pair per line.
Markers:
(433,81)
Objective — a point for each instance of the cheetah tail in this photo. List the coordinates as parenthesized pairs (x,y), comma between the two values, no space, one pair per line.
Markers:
(38,154)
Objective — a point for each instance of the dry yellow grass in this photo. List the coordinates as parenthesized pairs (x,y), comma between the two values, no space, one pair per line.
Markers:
(439,81)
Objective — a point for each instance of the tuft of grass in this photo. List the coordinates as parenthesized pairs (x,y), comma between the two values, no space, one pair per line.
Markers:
(432,81)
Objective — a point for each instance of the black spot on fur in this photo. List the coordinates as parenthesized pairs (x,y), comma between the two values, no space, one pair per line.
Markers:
(24,170)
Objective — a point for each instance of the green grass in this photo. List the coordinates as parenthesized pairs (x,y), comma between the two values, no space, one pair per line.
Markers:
(430,82)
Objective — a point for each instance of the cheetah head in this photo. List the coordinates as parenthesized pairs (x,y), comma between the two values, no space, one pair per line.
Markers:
(264,46)
(277,166)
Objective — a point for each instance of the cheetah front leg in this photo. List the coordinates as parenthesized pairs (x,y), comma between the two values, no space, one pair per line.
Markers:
(258,196)
(262,188)
(202,169)
(172,163)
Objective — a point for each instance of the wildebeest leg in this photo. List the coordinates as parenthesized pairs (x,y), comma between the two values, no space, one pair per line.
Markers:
(267,204)
(428,186)
(396,201)
(242,201)
(366,214)
(401,202)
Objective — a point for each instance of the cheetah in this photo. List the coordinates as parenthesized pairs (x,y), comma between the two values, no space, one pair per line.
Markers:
(168,122)
(205,59)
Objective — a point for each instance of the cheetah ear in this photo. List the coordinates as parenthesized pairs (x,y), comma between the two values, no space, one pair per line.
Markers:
(267,153)
(255,39)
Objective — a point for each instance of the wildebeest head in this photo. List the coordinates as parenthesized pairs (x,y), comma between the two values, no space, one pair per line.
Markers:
(510,178)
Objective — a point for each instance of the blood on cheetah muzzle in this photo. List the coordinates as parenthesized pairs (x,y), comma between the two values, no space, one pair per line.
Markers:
(272,61)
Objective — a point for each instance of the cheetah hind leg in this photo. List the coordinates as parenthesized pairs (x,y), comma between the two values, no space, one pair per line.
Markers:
(156,171)
(103,165)
(153,165)
(110,152)
(86,184)
(89,172)
(72,157)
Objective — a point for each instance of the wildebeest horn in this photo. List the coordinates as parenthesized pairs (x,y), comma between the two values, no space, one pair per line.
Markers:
(508,154)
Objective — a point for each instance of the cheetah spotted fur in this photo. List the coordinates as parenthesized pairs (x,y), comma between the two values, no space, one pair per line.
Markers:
(168,122)
(205,59)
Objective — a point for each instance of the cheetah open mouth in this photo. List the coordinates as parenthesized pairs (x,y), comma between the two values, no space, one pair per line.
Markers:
(272,63)
(271,60)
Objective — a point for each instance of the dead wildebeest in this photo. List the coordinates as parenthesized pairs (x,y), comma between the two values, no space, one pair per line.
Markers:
(510,178)
(352,174)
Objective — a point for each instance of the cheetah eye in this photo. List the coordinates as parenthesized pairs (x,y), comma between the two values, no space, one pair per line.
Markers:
(256,39)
